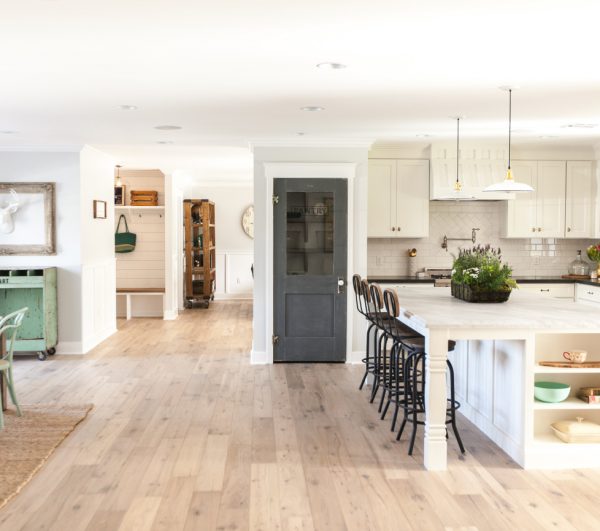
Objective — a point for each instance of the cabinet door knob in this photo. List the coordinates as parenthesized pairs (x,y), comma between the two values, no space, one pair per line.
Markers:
(399,229)
(533,229)
(393,229)
(539,229)
(568,229)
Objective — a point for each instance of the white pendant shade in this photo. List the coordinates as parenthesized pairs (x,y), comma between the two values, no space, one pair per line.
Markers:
(509,185)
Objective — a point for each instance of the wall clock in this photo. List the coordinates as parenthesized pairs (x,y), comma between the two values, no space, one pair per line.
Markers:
(248,221)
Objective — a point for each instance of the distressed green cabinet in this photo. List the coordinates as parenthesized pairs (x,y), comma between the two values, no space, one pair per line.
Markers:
(35,289)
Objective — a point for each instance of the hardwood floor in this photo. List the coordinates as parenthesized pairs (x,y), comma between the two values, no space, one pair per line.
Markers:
(186,434)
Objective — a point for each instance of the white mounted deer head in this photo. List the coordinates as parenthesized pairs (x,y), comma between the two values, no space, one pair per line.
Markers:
(7,209)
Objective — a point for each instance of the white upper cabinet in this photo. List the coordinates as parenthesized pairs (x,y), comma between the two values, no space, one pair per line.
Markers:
(580,200)
(540,213)
(550,193)
(562,205)
(398,204)
(521,212)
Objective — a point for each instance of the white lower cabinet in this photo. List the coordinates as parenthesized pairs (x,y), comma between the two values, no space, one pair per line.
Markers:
(561,291)
(587,293)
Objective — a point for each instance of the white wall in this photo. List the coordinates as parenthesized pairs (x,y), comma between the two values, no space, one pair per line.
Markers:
(64,169)
(97,249)
(262,155)
(235,250)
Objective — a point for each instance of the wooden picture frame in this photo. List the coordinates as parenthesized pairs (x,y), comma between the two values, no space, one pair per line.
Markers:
(100,209)
(48,247)
(120,195)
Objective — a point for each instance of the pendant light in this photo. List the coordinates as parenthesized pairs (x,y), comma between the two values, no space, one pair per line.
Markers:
(509,184)
(118,180)
(458,194)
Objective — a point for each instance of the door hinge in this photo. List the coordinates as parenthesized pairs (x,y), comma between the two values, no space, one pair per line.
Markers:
(275,339)
(275,199)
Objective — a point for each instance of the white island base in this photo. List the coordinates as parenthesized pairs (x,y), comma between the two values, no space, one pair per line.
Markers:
(496,362)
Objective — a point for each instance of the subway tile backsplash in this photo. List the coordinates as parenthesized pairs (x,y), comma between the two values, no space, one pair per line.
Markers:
(535,256)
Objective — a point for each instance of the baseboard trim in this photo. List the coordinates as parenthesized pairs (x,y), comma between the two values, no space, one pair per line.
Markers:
(258,357)
(87,346)
(170,315)
(234,296)
(69,348)
(356,357)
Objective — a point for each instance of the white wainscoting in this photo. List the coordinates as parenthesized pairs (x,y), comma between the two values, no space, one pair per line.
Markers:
(234,277)
(98,304)
(487,375)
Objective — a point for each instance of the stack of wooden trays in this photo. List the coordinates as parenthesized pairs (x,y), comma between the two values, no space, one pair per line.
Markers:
(144,198)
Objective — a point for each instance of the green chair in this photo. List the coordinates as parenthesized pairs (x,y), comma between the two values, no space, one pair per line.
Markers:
(9,325)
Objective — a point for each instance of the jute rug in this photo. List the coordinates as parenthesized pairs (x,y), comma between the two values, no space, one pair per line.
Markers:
(26,442)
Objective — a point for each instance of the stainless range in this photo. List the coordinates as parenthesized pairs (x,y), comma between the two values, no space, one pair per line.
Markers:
(441,277)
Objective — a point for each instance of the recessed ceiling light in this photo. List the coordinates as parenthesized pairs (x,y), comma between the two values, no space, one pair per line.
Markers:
(581,126)
(312,108)
(7,132)
(331,66)
(165,142)
(128,107)
(167,127)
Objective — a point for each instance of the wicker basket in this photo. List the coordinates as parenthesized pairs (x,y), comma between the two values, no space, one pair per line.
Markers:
(465,293)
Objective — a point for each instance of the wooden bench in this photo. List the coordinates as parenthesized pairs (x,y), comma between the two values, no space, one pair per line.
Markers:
(129,292)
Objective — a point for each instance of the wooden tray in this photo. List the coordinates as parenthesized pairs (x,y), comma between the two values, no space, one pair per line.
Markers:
(569,365)
(576,277)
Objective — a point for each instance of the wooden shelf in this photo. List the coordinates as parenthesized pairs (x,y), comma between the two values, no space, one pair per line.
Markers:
(139,208)
(569,403)
(199,281)
(540,369)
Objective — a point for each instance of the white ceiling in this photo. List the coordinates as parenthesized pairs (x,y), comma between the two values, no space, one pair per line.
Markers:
(234,71)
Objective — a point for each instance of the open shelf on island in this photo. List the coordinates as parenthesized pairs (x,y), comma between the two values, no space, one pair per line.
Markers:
(540,369)
(569,403)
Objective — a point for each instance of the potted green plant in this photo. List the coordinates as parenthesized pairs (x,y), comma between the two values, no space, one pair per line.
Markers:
(478,275)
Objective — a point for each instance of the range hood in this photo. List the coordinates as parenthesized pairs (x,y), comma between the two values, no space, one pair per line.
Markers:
(479,167)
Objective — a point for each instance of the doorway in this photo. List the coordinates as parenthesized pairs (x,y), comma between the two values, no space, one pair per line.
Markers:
(310,259)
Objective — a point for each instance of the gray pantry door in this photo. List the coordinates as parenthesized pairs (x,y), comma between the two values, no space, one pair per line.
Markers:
(310,247)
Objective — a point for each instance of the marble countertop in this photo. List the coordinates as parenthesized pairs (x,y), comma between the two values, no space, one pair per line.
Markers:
(400,279)
(436,308)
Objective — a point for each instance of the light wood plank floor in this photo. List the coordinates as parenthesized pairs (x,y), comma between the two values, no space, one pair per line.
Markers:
(185,434)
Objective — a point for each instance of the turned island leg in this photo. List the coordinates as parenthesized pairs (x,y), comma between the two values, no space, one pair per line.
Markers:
(435,445)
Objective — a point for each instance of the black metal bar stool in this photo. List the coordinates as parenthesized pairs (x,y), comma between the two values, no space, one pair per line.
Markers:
(405,340)
(362,305)
(413,402)
(389,327)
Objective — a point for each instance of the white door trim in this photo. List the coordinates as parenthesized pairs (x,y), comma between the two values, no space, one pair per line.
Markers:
(306,170)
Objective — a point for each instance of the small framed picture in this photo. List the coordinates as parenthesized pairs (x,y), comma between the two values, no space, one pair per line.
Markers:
(99,209)
(120,195)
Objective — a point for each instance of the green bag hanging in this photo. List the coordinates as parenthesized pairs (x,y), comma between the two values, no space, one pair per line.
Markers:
(124,241)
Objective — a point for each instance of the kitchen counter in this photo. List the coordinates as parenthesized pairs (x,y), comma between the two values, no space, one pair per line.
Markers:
(496,364)
(400,279)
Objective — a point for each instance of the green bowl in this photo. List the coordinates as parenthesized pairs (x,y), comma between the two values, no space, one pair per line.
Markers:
(551,391)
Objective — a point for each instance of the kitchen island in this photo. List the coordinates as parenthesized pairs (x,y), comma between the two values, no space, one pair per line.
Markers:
(496,362)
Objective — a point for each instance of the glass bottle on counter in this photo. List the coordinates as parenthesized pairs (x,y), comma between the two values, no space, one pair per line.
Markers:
(579,267)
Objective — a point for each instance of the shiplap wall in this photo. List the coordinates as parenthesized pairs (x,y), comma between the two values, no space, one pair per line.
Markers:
(144,267)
